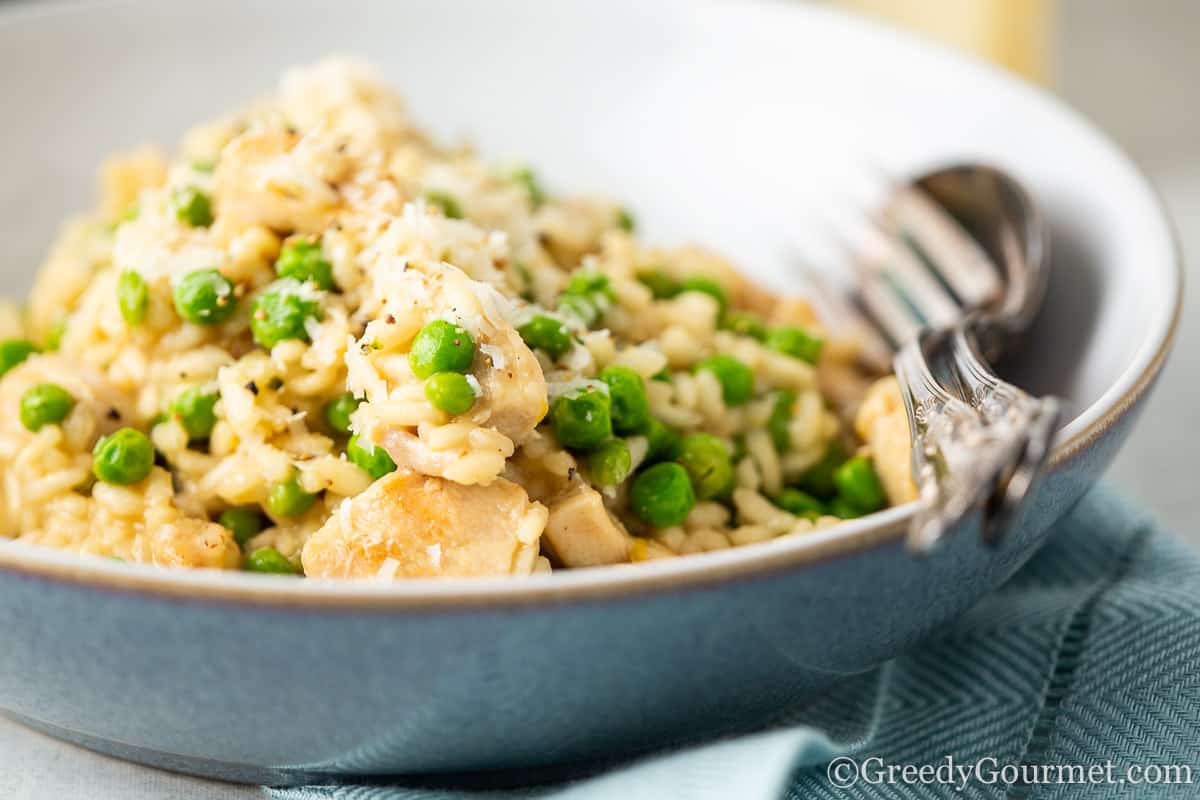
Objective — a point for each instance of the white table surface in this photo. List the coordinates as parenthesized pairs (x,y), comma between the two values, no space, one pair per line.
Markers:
(1129,66)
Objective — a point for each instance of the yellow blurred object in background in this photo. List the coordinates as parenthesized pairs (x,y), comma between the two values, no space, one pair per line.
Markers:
(1016,34)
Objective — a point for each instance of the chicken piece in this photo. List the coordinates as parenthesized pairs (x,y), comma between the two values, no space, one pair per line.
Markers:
(409,525)
(844,386)
(94,395)
(512,389)
(572,228)
(882,423)
(280,180)
(123,177)
(581,533)
(191,542)
(743,293)
(795,311)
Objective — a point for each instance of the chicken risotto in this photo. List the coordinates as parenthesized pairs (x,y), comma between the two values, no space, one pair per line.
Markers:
(319,343)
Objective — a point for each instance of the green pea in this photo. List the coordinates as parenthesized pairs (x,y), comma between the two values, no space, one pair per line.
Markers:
(45,404)
(450,392)
(205,297)
(589,283)
(818,480)
(527,178)
(441,346)
(288,498)
(736,379)
(662,376)
(126,457)
(304,262)
(802,504)
(54,338)
(708,286)
(375,462)
(662,495)
(660,284)
(610,463)
(587,295)
(582,418)
(192,206)
(842,508)
(13,352)
(338,411)
(447,202)
(627,391)
(625,220)
(778,424)
(580,307)
(858,483)
(662,442)
(281,314)
(708,464)
(243,523)
(195,410)
(548,334)
(133,297)
(270,561)
(795,343)
(204,165)
(744,323)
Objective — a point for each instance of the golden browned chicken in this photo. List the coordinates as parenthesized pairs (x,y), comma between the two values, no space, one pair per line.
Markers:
(581,532)
(883,424)
(408,525)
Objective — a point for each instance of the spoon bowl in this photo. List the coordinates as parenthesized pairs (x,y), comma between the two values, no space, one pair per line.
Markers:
(999,214)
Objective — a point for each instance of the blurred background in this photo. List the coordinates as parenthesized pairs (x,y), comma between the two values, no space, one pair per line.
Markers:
(1131,67)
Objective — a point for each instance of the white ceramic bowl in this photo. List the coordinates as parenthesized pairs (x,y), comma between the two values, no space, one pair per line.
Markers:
(732,124)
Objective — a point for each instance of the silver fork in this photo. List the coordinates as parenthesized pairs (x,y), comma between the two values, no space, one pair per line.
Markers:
(941,298)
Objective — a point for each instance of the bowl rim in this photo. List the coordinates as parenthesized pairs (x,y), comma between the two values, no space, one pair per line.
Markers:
(625,580)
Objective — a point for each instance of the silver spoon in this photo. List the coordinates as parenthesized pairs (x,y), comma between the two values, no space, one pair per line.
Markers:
(969,223)
(955,269)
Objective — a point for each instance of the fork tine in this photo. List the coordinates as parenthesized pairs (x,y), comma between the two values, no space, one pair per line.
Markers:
(888,309)
(890,255)
(947,248)
(885,307)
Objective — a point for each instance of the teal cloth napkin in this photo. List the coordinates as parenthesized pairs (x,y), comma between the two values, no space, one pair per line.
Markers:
(1079,678)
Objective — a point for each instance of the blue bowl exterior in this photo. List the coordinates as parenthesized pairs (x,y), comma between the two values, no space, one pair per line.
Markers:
(285,694)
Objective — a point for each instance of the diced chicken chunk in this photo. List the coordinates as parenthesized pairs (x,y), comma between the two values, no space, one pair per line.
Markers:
(883,424)
(107,408)
(581,533)
(408,525)
(511,388)
(123,177)
(277,179)
(191,542)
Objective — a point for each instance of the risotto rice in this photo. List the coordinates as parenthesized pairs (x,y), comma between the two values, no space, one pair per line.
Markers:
(318,342)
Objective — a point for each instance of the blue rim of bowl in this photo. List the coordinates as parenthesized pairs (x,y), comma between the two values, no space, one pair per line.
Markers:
(693,572)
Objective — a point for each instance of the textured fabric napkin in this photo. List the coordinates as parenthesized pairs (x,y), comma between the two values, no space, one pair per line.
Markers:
(1078,679)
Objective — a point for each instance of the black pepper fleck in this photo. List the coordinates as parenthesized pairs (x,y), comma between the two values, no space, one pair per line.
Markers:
(252,388)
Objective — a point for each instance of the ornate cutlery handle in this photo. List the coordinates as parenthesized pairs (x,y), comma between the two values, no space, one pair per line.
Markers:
(984,447)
